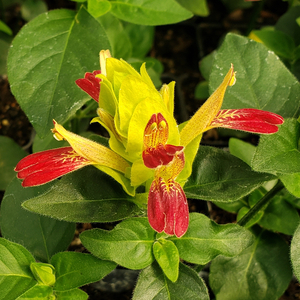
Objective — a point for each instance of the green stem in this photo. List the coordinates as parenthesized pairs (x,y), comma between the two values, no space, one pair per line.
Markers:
(260,204)
(257,9)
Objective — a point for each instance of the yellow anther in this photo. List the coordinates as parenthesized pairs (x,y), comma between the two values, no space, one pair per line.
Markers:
(162,125)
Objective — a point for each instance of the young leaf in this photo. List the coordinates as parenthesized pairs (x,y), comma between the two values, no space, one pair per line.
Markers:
(242,150)
(262,271)
(98,8)
(167,256)
(46,59)
(227,178)
(262,80)
(10,154)
(197,7)
(77,269)
(15,275)
(5,28)
(278,153)
(146,12)
(295,252)
(41,235)
(75,294)
(153,284)
(205,240)
(129,244)
(80,197)
(38,292)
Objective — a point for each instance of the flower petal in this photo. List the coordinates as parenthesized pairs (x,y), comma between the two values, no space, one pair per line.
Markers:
(43,167)
(252,120)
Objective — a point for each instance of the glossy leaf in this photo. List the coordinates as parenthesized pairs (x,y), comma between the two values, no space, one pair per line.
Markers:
(153,284)
(197,7)
(278,153)
(81,197)
(262,80)
(262,271)
(43,236)
(77,269)
(15,275)
(75,294)
(205,240)
(220,176)
(295,252)
(10,154)
(280,216)
(167,256)
(129,244)
(153,13)
(46,59)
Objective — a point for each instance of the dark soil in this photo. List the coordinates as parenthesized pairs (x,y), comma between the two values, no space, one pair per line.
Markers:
(179,47)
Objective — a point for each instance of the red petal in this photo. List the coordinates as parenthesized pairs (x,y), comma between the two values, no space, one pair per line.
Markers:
(167,208)
(43,167)
(252,120)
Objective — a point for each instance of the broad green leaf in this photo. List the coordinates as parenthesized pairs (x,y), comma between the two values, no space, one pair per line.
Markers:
(287,24)
(38,292)
(277,41)
(154,285)
(10,154)
(45,60)
(129,244)
(206,64)
(262,271)
(5,28)
(221,177)
(77,269)
(278,153)
(116,33)
(43,236)
(141,38)
(32,8)
(87,195)
(15,275)
(295,252)
(197,7)
(98,8)
(205,240)
(75,294)
(291,183)
(167,256)
(262,80)
(144,12)
(242,150)
(280,216)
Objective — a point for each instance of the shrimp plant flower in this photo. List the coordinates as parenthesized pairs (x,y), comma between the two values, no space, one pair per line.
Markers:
(146,145)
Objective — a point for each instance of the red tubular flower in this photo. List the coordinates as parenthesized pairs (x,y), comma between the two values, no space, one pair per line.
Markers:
(43,167)
(251,120)
(90,84)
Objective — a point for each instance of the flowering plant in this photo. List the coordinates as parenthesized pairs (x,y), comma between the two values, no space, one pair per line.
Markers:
(142,175)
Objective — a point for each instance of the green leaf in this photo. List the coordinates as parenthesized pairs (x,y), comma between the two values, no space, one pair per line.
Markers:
(167,256)
(38,292)
(32,8)
(197,7)
(201,91)
(280,216)
(278,153)
(243,211)
(205,240)
(220,176)
(262,271)
(75,294)
(144,12)
(291,183)
(117,35)
(153,284)
(80,197)
(5,28)
(277,41)
(141,38)
(43,273)
(46,59)
(41,235)
(77,269)
(5,42)
(129,244)
(242,150)
(15,275)
(262,80)
(295,252)
(98,8)
(206,64)
(10,154)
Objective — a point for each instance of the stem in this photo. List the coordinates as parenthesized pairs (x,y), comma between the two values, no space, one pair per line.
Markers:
(257,10)
(260,204)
